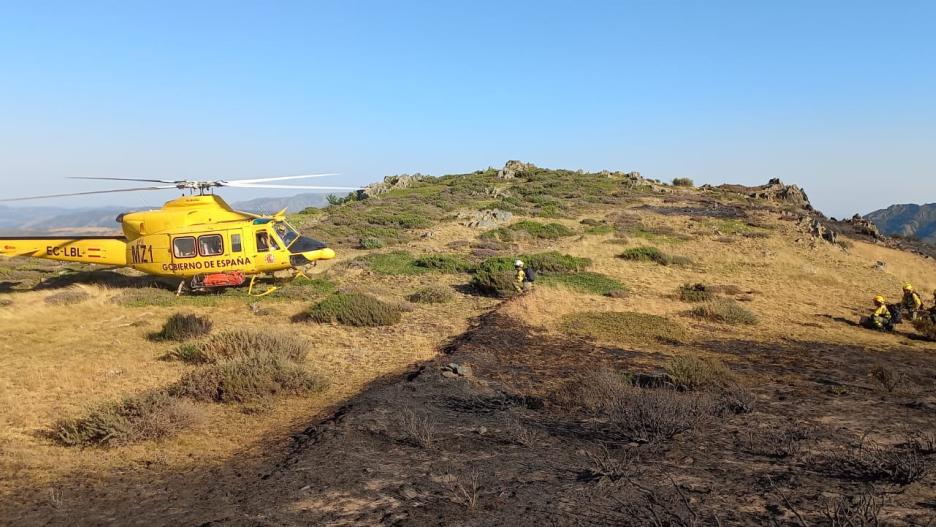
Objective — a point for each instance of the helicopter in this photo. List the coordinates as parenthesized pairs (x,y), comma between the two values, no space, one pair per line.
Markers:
(197,238)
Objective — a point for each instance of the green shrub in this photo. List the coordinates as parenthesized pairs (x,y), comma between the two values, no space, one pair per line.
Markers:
(181,327)
(726,311)
(599,229)
(683,182)
(392,263)
(139,418)
(370,243)
(534,229)
(354,309)
(494,283)
(547,262)
(247,378)
(652,254)
(691,372)
(926,326)
(433,294)
(243,342)
(446,263)
(695,293)
(623,327)
(585,281)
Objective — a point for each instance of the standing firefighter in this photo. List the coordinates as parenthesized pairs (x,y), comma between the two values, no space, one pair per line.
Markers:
(524,278)
(881,318)
(912,304)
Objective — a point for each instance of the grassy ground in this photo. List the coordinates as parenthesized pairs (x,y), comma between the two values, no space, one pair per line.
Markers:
(56,360)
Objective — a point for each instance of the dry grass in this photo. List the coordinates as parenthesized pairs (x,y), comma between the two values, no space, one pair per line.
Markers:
(624,327)
(725,311)
(871,461)
(927,327)
(67,298)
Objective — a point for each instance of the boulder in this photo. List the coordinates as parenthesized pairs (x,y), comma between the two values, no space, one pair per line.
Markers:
(863,226)
(391,182)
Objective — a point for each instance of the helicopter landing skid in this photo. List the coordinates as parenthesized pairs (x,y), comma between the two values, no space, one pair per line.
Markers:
(250,290)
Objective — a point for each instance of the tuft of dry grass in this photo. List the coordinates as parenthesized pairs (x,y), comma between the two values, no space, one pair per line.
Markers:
(889,378)
(623,327)
(181,327)
(149,416)
(776,441)
(725,311)
(354,309)
(237,343)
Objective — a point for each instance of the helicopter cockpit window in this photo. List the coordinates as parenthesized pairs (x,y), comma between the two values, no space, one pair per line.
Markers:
(286,233)
(210,245)
(265,242)
(184,247)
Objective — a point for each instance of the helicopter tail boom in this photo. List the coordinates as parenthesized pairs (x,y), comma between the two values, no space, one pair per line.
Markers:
(103,250)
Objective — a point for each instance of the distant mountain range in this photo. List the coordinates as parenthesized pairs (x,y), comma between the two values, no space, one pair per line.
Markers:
(911,221)
(101,220)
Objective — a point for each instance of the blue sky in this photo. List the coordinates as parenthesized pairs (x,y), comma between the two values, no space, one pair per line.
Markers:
(839,97)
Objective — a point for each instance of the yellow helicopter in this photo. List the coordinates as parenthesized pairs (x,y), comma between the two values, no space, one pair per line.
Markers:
(197,238)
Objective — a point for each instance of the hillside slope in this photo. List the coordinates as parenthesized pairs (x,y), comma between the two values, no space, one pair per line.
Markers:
(909,221)
(608,395)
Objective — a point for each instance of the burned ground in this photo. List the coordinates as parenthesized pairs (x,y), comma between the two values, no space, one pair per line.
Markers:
(478,437)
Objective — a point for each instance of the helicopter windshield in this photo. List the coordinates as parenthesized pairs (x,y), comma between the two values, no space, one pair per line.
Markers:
(286,233)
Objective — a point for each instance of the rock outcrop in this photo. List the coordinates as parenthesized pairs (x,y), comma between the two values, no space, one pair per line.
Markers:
(774,191)
(515,168)
(864,226)
(485,219)
(391,182)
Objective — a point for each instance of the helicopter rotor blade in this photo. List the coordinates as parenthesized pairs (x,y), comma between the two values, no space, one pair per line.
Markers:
(165,187)
(128,179)
(294,187)
(283,178)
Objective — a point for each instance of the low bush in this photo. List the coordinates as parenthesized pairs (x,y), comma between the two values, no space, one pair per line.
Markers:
(303,288)
(889,378)
(181,327)
(695,293)
(624,327)
(691,372)
(725,311)
(533,229)
(445,263)
(927,327)
(652,254)
(417,430)
(370,243)
(247,378)
(140,418)
(433,294)
(776,441)
(494,283)
(237,343)
(392,263)
(870,461)
(354,309)
(67,298)
(547,262)
(586,282)
(652,415)
(683,182)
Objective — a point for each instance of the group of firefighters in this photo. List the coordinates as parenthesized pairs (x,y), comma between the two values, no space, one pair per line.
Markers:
(911,307)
